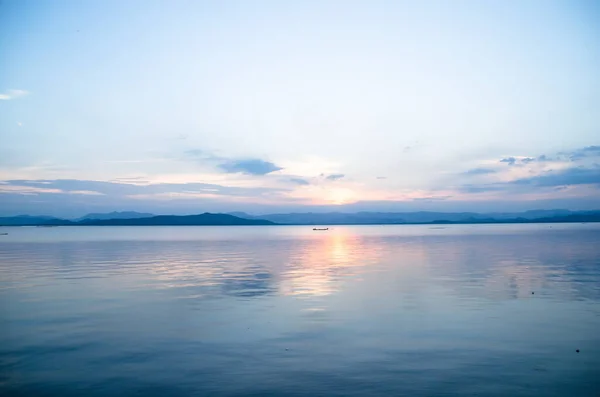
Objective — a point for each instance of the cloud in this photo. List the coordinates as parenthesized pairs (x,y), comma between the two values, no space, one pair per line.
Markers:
(335,177)
(572,155)
(569,176)
(124,190)
(588,151)
(7,188)
(76,197)
(471,188)
(131,179)
(519,162)
(300,181)
(249,166)
(509,160)
(31,189)
(13,94)
(549,179)
(543,173)
(86,192)
(428,199)
(480,171)
(381,177)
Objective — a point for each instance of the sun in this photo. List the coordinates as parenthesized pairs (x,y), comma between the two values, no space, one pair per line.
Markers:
(339,196)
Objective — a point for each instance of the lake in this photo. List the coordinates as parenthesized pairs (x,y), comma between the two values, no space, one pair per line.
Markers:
(457,310)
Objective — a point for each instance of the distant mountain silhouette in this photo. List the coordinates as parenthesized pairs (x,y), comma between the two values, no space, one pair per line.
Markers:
(592,216)
(392,218)
(206,219)
(26,220)
(332,218)
(116,215)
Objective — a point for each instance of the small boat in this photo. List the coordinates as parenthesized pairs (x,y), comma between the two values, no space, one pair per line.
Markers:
(314,228)
(3,234)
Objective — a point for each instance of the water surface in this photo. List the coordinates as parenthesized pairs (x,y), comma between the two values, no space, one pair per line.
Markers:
(494,310)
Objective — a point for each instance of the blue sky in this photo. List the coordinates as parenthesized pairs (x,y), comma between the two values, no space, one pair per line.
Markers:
(268,106)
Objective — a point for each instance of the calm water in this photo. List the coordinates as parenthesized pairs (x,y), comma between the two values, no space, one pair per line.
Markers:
(354,311)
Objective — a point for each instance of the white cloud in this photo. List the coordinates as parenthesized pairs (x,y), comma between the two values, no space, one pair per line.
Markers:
(26,189)
(12,94)
(19,124)
(85,192)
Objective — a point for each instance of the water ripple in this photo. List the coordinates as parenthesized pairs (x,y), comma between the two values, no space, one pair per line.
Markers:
(459,310)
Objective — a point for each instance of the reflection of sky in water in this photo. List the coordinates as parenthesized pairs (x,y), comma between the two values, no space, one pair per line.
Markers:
(225,310)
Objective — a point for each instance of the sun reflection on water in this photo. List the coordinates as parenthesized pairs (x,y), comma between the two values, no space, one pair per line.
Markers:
(317,268)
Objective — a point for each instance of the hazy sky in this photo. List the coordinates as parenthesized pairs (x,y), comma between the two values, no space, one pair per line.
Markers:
(267,106)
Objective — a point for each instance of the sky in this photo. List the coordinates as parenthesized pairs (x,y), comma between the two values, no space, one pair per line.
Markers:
(278,106)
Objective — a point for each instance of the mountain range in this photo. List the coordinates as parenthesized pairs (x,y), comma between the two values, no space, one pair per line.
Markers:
(132,218)
(116,215)
(206,219)
(392,218)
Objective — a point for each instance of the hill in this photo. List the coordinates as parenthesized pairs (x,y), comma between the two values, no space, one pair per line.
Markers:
(116,215)
(206,219)
(393,218)
(26,220)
